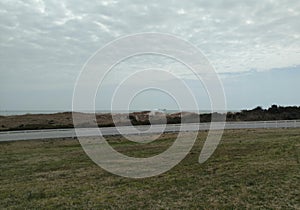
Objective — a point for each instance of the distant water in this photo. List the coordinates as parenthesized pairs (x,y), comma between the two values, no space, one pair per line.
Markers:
(23,112)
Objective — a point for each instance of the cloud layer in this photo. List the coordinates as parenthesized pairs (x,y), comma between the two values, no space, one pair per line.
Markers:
(44,44)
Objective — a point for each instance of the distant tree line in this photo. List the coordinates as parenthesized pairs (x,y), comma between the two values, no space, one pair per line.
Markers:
(275,112)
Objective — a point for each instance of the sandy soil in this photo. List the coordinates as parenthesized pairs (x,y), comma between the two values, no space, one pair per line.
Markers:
(65,120)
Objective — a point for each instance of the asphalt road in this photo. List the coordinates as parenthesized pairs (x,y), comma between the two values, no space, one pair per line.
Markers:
(140,130)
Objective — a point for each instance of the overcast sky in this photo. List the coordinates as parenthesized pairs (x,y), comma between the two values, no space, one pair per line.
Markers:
(254,45)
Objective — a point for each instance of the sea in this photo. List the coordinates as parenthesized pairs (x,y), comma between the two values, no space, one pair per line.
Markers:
(23,112)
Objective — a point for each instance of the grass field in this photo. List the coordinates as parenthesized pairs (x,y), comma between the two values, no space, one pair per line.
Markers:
(250,169)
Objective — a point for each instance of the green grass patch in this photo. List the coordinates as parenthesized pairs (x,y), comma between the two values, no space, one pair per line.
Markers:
(251,169)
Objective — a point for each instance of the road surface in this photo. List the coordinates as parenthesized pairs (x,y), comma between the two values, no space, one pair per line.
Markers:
(129,130)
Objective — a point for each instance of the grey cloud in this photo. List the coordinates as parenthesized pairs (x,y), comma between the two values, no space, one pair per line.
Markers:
(51,40)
